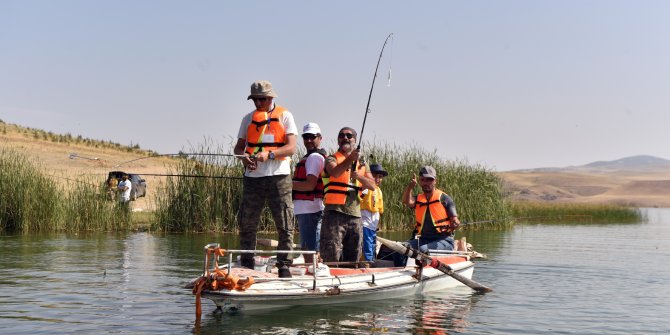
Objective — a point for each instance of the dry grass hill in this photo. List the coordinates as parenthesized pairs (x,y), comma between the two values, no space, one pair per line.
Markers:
(639,181)
(76,159)
(642,181)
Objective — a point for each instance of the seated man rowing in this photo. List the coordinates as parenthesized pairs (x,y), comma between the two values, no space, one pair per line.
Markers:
(435,213)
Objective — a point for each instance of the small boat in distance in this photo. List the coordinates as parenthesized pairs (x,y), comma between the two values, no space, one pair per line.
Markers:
(235,288)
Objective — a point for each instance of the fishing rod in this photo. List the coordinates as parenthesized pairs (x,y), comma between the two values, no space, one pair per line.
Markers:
(367,107)
(184,154)
(189,176)
(476,222)
(75,155)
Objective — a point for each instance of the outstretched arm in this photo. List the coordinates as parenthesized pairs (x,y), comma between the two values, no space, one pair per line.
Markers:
(407,196)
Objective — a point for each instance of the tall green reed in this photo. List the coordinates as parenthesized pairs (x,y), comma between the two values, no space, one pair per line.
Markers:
(532,212)
(204,197)
(207,204)
(32,201)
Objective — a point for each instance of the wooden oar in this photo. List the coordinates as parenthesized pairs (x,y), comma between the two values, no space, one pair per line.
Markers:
(271,243)
(399,248)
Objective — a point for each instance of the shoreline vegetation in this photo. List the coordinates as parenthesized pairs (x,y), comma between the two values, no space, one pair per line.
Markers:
(34,201)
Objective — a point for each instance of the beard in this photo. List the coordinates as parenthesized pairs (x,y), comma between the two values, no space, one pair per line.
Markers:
(428,189)
(346,147)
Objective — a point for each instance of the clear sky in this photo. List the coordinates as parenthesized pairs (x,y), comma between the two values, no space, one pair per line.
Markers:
(505,84)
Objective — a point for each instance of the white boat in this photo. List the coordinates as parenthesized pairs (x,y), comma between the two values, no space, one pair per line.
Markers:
(249,290)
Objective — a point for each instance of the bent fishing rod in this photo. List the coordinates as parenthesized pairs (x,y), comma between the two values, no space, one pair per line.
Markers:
(372,87)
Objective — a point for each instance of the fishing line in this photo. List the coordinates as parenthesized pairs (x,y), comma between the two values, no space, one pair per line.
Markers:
(388,84)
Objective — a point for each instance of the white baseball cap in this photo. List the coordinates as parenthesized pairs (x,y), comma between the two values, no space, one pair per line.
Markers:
(311,128)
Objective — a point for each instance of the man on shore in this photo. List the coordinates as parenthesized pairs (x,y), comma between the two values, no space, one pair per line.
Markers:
(124,187)
(267,140)
(342,229)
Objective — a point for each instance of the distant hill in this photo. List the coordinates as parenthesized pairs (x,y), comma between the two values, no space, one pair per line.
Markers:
(641,162)
(632,163)
(642,181)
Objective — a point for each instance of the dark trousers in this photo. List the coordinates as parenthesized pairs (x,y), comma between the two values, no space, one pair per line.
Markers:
(276,190)
(341,237)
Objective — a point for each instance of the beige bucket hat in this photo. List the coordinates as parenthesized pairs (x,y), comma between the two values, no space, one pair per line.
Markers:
(262,88)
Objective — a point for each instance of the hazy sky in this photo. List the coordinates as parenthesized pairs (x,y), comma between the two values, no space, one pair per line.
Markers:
(506,84)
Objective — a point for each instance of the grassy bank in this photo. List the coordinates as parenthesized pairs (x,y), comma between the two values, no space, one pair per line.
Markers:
(534,212)
(33,201)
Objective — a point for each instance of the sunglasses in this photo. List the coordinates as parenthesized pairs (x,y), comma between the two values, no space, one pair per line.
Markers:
(347,135)
(260,99)
(308,136)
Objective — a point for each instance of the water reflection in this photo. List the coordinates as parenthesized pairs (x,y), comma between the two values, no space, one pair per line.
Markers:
(434,313)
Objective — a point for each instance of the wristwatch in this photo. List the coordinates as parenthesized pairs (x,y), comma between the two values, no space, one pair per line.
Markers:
(271,155)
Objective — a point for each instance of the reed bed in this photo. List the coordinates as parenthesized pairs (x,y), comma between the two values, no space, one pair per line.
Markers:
(476,190)
(206,196)
(208,204)
(536,212)
(32,201)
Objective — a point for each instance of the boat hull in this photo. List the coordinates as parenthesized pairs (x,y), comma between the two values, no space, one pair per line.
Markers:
(337,289)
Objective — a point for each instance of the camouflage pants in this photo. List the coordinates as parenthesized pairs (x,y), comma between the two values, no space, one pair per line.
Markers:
(276,190)
(341,237)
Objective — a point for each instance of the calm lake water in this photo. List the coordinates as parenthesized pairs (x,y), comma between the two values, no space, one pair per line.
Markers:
(552,279)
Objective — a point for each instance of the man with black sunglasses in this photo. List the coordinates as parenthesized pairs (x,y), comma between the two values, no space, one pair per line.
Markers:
(267,140)
(342,228)
(308,189)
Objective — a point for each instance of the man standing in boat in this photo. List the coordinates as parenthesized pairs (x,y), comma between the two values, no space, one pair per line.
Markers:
(435,215)
(342,229)
(267,139)
(308,189)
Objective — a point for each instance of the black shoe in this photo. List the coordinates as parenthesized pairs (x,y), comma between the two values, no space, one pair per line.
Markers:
(247,263)
(284,272)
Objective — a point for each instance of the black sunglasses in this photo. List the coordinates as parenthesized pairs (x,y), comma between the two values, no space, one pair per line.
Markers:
(260,99)
(308,136)
(347,135)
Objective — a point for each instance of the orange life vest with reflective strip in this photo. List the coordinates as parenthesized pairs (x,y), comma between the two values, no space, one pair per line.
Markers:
(266,132)
(301,175)
(435,209)
(336,189)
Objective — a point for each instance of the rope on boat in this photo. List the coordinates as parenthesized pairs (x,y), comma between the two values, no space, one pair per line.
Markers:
(217,280)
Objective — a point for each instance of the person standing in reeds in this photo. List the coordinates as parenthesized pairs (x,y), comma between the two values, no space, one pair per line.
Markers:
(267,139)
(112,188)
(308,190)
(341,230)
(124,187)
(434,212)
(372,206)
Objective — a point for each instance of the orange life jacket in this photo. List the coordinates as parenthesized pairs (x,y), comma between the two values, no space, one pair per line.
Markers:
(265,124)
(337,188)
(301,175)
(435,209)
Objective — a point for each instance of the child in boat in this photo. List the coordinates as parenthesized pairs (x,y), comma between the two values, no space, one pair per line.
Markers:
(372,206)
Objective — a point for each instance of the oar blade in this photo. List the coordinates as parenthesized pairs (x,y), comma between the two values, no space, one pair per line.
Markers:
(465,280)
(397,247)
